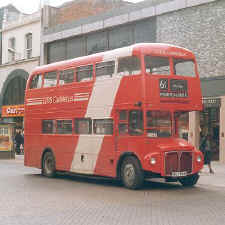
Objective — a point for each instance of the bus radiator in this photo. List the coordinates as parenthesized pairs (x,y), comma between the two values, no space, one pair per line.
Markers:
(178,164)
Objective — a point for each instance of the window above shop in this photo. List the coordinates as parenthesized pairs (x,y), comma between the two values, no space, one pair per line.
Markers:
(28,43)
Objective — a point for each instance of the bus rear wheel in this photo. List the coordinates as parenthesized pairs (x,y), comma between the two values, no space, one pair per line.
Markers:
(48,165)
(131,173)
(190,180)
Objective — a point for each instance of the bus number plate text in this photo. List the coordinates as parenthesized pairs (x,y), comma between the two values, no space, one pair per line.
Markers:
(179,174)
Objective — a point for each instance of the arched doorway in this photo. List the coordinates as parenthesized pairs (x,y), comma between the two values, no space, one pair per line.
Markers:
(12,95)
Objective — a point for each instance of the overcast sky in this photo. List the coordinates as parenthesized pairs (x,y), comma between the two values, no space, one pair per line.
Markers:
(30,6)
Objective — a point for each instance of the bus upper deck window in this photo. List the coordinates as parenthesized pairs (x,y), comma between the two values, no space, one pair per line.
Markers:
(157,65)
(104,69)
(129,66)
(184,67)
(66,76)
(36,82)
(84,73)
(50,79)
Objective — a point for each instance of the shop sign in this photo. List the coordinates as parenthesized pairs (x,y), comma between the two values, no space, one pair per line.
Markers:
(211,102)
(13,111)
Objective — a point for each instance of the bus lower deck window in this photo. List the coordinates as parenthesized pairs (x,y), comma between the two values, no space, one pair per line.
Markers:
(64,127)
(103,126)
(47,126)
(83,126)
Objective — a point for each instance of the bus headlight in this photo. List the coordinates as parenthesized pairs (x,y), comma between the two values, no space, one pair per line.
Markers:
(199,159)
(153,161)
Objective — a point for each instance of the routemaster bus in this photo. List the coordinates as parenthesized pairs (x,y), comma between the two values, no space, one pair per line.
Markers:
(116,114)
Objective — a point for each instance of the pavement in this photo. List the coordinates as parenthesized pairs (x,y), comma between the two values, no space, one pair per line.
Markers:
(27,198)
(217,179)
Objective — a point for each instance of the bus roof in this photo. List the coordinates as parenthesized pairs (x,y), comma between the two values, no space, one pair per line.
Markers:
(159,49)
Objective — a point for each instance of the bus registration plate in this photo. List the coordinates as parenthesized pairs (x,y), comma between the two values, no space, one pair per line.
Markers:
(179,174)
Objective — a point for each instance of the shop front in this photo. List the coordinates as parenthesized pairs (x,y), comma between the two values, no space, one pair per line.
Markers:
(210,123)
(212,118)
(11,121)
(7,149)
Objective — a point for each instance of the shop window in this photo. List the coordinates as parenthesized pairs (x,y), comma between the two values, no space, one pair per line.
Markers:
(36,81)
(50,79)
(64,127)
(85,73)
(104,69)
(83,126)
(66,76)
(47,126)
(103,126)
(4,131)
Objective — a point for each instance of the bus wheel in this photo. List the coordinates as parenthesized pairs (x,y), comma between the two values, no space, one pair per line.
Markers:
(131,173)
(190,180)
(48,165)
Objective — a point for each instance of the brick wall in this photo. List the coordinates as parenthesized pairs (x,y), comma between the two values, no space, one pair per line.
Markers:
(200,29)
(79,9)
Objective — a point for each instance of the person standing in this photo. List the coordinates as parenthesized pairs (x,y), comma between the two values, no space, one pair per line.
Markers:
(206,149)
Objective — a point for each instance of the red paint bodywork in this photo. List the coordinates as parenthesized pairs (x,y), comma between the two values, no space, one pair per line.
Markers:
(132,89)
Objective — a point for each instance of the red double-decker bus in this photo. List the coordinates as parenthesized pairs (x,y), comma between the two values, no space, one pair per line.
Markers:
(118,114)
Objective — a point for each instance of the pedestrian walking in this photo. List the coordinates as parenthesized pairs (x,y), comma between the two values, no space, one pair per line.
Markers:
(19,141)
(206,149)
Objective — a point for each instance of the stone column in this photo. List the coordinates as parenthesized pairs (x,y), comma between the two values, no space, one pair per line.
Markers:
(222,130)
(194,128)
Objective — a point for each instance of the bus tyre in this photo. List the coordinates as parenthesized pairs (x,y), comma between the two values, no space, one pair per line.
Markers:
(48,165)
(190,180)
(131,173)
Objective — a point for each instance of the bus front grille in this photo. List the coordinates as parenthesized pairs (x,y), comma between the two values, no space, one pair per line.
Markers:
(178,163)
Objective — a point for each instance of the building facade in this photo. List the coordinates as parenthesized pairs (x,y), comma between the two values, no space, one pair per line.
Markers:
(7,13)
(20,55)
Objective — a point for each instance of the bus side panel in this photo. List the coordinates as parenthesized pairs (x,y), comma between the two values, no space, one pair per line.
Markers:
(106,165)
(62,147)
(31,155)
(32,140)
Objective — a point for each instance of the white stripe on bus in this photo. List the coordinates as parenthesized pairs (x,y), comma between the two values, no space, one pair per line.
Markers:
(100,106)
